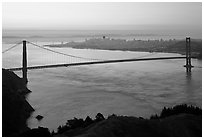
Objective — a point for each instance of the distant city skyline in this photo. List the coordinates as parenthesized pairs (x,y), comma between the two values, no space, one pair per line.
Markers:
(171,16)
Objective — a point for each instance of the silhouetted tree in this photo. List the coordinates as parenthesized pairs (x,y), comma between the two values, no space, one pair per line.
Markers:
(113,115)
(99,117)
(183,108)
(88,121)
(74,123)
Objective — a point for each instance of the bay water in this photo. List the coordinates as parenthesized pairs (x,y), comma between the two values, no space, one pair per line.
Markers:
(137,89)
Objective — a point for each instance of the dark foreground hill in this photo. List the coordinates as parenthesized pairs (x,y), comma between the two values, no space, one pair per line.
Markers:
(182,125)
(179,121)
(15,108)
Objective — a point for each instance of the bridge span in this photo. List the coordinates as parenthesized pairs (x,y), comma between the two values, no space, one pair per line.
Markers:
(96,62)
(24,67)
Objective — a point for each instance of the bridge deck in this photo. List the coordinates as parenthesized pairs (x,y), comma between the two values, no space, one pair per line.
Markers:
(96,62)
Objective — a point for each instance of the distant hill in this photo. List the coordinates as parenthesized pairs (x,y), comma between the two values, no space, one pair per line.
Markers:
(168,46)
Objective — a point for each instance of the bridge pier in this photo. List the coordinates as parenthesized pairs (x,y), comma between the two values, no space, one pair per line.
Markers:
(24,69)
(188,55)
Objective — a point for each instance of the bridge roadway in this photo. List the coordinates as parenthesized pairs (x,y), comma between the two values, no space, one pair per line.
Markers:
(96,62)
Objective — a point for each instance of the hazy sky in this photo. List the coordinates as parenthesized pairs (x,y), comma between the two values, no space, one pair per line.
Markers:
(101,15)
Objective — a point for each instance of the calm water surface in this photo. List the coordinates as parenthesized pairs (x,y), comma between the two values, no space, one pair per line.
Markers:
(134,88)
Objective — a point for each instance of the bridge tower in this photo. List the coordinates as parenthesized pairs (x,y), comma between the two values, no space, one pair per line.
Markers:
(24,69)
(188,55)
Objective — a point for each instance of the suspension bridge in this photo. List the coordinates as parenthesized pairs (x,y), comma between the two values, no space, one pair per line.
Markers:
(85,60)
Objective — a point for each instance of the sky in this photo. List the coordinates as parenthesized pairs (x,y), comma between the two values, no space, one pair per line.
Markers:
(113,15)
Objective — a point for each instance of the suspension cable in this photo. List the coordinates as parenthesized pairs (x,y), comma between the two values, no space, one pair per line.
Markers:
(62,53)
(11,47)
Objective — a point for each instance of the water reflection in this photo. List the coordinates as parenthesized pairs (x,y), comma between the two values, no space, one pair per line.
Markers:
(188,77)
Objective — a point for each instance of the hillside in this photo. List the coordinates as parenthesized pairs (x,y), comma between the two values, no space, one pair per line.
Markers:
(15,108)
(123,126)
(178,121)
(168,46)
